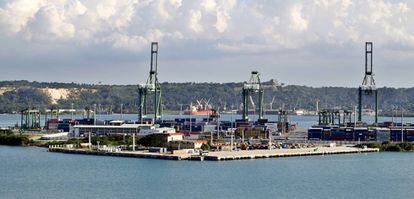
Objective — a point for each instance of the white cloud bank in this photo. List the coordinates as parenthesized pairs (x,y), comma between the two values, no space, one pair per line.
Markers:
(231,25)
(228,26)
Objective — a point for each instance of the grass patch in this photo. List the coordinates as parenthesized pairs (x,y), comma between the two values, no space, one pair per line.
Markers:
(389,146)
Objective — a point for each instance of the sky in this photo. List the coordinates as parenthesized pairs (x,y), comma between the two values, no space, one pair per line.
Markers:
(310,42)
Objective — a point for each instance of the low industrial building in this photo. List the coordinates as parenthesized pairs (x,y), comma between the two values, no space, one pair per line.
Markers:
(186,144)
(128,129)
(174,137)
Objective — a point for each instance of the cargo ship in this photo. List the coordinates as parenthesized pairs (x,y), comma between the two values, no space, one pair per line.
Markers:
(202,108)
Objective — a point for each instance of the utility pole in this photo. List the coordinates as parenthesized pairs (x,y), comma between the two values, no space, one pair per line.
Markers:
(162,113)
(189,115)
(133,142)
(270,140)
(231,140)
(71,107)
(402,124)
(90,140)
(122,106)
(218,126)
(211,137)
(94,114)
(355,113)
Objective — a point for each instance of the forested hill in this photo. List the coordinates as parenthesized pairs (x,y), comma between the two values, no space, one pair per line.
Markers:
(17,95)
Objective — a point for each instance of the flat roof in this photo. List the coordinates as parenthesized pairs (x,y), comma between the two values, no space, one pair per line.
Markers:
(109,126)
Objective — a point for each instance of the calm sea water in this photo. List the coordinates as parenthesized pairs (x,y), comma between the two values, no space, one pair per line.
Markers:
(29,172)
(303,121)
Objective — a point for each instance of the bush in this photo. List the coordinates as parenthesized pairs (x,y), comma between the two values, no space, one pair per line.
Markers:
(406,146)
(154,140)
(374,145)
(371,145)
(396,148)
(13,140)
(205,147)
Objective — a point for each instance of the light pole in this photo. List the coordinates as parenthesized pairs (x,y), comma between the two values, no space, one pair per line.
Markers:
(133,141)
(90,141)
(162,113)
(355,113)
(189,115)
(402,124)
(94,114)
(122,116)
(71,107)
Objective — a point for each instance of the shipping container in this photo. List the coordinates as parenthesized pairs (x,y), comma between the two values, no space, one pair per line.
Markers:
(262,121)
(410,138)
(315,133)
(372,135)
(361,134)
(382,134)
(338,134)
(397,135)
(349,134)
(409,134)
(326,135)
(409,131)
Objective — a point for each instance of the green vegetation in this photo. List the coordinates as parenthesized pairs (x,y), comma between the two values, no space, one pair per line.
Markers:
(205,147)
(389,146)
(14,140)
(27,94)
(103,140)
(112,140)
(154,140)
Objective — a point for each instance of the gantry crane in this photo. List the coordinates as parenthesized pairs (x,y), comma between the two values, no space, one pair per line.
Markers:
(152,86)
(253,86)
(368,87)
(30,119)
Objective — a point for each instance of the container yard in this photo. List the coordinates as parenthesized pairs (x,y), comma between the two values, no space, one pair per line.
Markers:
(347,125)
(370,134)
(238,138)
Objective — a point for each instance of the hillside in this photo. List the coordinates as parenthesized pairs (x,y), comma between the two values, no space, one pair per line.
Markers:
(16,95)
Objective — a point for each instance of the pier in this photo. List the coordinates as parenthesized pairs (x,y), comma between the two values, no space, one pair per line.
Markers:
(129,154)
(278,153)
(223,155)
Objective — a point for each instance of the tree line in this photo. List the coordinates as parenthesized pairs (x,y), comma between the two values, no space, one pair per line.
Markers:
(27,94)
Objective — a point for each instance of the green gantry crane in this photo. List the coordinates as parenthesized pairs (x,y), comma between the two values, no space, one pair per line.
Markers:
(151,87)
(368,87)
(30,119)
(253,86)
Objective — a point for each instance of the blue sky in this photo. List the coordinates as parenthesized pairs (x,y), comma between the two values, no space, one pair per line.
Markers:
(312,42)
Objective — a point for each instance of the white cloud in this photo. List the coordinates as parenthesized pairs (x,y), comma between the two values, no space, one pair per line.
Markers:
(15,15)
(133,43)
(298,23)
(194,21)
(209,28)
(50,23)
(259,23)
(209,5)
